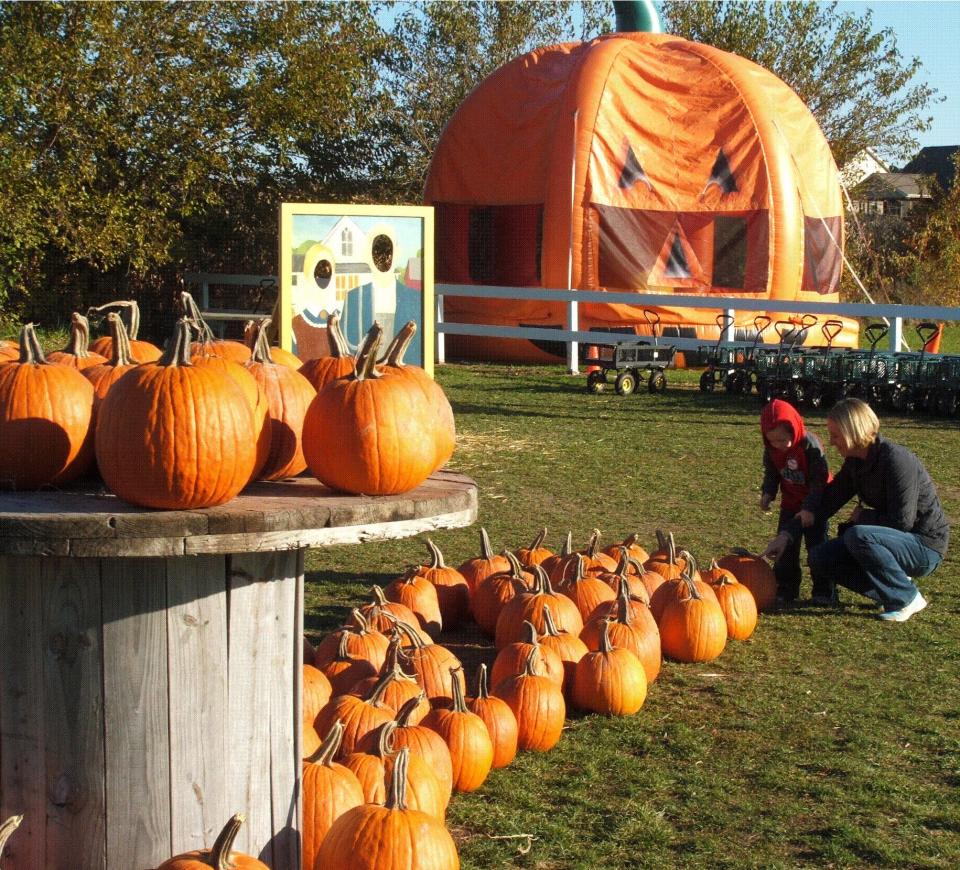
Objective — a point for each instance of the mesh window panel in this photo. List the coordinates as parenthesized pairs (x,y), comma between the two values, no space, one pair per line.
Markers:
(480,245)
(822,260)
(730,252)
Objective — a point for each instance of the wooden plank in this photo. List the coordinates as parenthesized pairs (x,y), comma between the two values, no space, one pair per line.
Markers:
(250,674)
(197,642)
(136,713)
(105,548)
(285,757)
(73,713)
(22,738)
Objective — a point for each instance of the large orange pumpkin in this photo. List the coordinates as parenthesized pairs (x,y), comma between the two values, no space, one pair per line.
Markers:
(753,573)
(220,856)
(174,435)
(106,374)
(45,419)
(366,433)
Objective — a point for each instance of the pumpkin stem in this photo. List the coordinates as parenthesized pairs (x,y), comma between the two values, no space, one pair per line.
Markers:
(79,343)
(486,551)
(223,846)
(530,664)
(631,539)
(120,341)
(516,569)
(261,346)
(662,541)
(378,596)
(385,739)
(482,691)
(6,829)
(178,351)
(456,680)
(672,549)
(331,745)
(397,799)
(549,626)
(366,359)
(605,645)
(436,557)
(343,654)
(393,356)
(338,344)
(128,305)
(530,633)
(593,543)
(541,582)
(623,603)
(537,542)
(406,710)
(686,576)
(742,551)
(412,634)
(359,621)
(567,547)
(192,311)
(30,350)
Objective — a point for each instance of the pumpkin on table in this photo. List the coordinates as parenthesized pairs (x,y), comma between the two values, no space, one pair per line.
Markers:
(321,370)
(282,356)
(371,434)
(46,411)
(104,375)
(391,837)
(174,435)
(140,350)
(77,353)
(220,856)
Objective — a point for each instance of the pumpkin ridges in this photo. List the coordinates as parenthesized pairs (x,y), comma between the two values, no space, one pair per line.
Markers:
(739,607)
(499,719)
(753,573)
(693,628)
(539,707)
(536,553)
(609,680)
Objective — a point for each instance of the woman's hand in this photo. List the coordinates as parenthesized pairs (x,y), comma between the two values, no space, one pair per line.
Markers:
(765,499)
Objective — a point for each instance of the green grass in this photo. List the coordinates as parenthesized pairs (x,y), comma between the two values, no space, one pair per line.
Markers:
(827,740)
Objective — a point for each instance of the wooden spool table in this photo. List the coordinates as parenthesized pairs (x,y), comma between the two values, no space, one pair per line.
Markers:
(150,665)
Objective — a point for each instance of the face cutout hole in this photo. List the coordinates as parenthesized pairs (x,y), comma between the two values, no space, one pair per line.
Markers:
(322,273)
(382,253)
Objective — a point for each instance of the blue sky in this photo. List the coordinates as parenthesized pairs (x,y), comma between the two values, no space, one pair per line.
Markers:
(930,30)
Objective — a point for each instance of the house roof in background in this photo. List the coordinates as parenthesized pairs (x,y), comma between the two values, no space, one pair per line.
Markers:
(890,185)
(935,160)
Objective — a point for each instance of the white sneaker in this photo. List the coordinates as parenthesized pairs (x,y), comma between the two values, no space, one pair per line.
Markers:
(905,612)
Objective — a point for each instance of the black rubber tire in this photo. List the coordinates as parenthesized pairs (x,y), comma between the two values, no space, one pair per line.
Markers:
(657,382)
(626,383)
(706,382)
(596,382)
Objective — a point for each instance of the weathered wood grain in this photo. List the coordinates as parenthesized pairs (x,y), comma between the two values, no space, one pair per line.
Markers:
(197,643)
(136,712)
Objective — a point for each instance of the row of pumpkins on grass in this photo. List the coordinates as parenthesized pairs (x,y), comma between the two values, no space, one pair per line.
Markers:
(191,426)
(584,628)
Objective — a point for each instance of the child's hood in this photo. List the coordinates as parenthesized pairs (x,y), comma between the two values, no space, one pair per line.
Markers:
(781,413)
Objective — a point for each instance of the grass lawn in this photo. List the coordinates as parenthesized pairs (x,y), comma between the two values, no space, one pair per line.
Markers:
(829,739)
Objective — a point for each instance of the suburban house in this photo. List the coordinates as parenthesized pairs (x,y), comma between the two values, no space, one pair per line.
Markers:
(896,192)
(860,166)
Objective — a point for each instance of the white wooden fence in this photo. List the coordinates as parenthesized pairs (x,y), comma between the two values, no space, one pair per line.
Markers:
(894,314)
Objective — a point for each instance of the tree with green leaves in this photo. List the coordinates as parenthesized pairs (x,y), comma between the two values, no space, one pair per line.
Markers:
(860,88)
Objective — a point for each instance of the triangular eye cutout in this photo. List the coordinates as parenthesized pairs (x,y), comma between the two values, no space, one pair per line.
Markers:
(721,175)
(677,265)
(632,172)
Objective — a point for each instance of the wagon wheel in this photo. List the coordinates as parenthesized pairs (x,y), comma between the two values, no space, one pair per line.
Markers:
(657,382)
(706,381)
(815,396)
(767,390)
(731,383)
(626,383)
(596,382)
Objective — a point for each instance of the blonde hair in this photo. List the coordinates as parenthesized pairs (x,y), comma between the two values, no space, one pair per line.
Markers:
(856,421)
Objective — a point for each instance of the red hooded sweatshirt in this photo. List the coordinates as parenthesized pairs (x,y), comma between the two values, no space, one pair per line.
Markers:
(800,472)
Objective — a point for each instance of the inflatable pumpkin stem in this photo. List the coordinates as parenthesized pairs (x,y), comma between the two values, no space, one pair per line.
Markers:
(30,350)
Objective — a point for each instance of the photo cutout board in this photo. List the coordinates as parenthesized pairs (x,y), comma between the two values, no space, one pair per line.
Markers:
(365,263)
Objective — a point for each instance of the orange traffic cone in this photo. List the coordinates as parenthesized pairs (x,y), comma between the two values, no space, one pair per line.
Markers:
(592,353)
(933,343)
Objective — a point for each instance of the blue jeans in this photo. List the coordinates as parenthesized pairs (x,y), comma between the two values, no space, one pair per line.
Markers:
(875,561)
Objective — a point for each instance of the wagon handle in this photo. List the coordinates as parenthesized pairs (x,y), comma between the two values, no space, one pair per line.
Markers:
(782,328)
(831,329)
(723,320)
(926,331)
(653,320)
(760,323)
(875,333)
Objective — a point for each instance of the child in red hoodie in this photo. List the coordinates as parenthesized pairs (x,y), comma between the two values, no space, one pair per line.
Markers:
(794,463)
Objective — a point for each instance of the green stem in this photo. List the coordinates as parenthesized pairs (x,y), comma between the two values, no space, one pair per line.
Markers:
(178,352)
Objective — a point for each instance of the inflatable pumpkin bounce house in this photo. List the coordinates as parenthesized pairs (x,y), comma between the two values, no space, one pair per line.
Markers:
(655,165)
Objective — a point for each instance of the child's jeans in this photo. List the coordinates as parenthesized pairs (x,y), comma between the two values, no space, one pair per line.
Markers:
(787,567)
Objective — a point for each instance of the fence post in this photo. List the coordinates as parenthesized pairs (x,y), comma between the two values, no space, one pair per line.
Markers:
(896,333)
(441,348)
(573,348)
(729,332)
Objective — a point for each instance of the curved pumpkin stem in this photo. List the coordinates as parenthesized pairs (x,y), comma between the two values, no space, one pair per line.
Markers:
(624,615)
(79,343)
(541,582)
(30,350)
(261,346)
(742,551)
(393,356)
(630,540)
(593,543)
(338,343)
(120,355)
(223,846)
(128,305)
(6,829)
(436,557)
(516,569)
(397,799)
(486,551)
(366,358)
(686,576)
(192,311)
(482,691)
(385,736)
(549,626)
(567,547)
(406,710)
(330,747)
(178,352)
(690,562)
(605,645)
(530,633)
(530,665)
(415,638)
(456,681)
(537,542)
(662,542)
